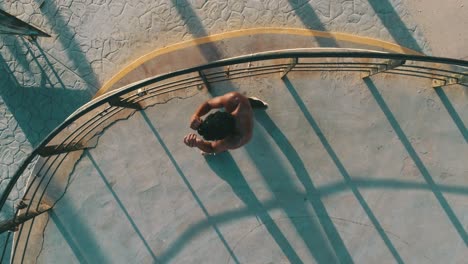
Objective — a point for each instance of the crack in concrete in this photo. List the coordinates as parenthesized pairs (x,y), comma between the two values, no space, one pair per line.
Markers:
(69,180)
(318,216)
(244,236)
(367,225)
(104,129)
(43,238)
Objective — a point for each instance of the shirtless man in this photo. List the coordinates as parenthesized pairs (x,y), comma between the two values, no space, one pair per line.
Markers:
(222,131)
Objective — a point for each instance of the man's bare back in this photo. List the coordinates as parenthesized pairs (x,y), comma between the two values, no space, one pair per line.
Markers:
(238,106)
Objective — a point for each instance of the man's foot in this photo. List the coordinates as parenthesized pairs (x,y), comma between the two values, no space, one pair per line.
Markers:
(257,103)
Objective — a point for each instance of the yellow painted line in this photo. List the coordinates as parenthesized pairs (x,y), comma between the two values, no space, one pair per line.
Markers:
(254,31)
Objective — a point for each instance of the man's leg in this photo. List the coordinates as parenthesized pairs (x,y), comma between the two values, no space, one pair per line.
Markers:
(257,103)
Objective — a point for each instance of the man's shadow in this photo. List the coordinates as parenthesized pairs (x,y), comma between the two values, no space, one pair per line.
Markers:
(325,249)
(226,168)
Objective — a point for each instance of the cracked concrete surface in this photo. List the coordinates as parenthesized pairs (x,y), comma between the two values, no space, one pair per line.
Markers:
(42,83)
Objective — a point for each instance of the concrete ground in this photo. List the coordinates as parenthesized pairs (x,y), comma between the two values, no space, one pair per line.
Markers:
(344,170)
(338,171)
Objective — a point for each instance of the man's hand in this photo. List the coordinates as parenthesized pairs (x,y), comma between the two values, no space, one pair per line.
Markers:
(195,122)
(191,140)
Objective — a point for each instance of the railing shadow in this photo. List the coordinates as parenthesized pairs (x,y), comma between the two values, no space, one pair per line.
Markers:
(46,59)
(6,239)
(196,28)
(323,192)
(170,254)
(38,110)
(417,161)
(400,33)
(196,228)
(452,112)
(311,20)
(226,168)
(67,38)
(395,26)
(390,184)
(77,235)
(211,52)
(70,239)
(122,206)
(344,173)
(13,47)
(301,172)
(279,181)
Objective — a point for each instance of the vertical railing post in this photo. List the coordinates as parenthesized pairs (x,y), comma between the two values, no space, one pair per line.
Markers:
(291,65)
(204,79)
(453,79)
(12,224)
(119,102)
(388,65)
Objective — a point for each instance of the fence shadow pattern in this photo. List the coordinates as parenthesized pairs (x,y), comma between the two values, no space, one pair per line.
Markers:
(66,143)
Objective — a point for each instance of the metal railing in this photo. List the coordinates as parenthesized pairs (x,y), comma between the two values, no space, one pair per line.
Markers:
(60,150)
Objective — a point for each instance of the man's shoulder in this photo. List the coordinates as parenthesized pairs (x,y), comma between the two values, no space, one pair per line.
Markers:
(234,96)
(232,100)
(234,93)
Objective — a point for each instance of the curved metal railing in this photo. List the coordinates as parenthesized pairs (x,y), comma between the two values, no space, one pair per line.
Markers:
(64,145)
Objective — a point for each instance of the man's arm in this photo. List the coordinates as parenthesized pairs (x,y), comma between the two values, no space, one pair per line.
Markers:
(218,146)
(203,109)
(229,101)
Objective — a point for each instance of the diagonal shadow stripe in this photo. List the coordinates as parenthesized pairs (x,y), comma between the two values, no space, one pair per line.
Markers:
(196,28)
(418,162)
(452,112)
(67,38)
(77,234)
(342,170)
(121,205)
(6,239)
(402,36)
(367,183)
(278,178)
(395,26)
(323,191)
(226,168)
(189,186)
(68,237)
(210,52)
(310,19)
(301,172)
